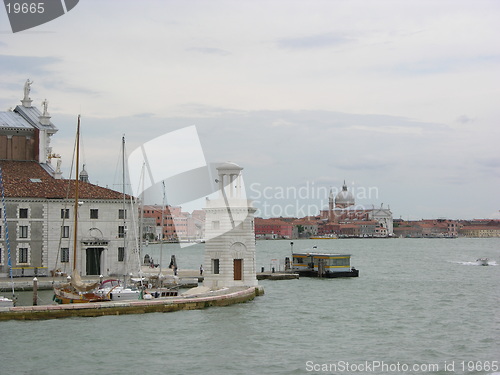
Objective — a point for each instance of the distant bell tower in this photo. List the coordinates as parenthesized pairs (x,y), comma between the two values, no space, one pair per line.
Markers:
(229,230)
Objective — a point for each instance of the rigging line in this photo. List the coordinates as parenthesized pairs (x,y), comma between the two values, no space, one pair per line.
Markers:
(134,225)
(117,166)
(162,227)
(82,155)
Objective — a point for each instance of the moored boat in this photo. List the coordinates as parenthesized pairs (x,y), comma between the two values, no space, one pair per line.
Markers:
(330,237)
(76,290)
(6,302)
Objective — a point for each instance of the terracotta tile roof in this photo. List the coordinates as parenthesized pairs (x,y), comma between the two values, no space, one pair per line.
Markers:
(28,179)
(260,221)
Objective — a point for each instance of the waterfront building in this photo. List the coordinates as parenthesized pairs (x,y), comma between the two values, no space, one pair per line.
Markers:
(273,229)
(39,205)
(426,228)
(178,226)
(230,238)
(306,227)
(482,231)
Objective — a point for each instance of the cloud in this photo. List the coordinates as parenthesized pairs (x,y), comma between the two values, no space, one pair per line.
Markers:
(389,129)
(464,119)
(63,86)
(489,165)
(209,51)
(362,163)
(26,65)
(314,41)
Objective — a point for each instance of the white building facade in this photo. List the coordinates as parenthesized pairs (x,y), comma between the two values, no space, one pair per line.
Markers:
(39,210)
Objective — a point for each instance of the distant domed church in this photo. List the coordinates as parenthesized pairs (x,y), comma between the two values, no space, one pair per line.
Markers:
(342,209)
(344,198)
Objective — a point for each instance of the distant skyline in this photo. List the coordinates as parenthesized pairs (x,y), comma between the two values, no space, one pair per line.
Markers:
(397,96)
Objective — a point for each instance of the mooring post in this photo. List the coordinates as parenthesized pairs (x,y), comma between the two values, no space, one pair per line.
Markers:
(35,291)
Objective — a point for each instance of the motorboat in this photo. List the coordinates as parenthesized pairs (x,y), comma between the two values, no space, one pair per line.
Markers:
(482,261)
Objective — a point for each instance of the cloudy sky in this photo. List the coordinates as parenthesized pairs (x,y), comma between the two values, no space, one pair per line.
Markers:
(397,98)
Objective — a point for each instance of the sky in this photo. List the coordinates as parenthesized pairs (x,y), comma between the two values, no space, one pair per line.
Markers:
(399,99)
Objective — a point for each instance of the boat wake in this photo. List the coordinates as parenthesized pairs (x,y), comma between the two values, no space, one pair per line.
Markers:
(476,263)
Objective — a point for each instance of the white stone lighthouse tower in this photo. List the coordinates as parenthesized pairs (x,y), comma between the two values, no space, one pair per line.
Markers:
(229,230)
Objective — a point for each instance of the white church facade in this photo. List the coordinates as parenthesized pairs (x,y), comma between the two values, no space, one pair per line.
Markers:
(38,212)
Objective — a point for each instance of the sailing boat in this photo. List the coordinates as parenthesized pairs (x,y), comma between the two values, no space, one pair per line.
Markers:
(157,284)
(146,288)
(77,291)
(113,289)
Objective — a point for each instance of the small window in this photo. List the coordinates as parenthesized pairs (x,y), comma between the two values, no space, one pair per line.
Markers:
(23,213)
(23,231)
(23,255)
(64,254)
(121,231)
(64,213)
(121,254)
(122,214)
(65,231)
(215,266)
(215,224)
(94,213)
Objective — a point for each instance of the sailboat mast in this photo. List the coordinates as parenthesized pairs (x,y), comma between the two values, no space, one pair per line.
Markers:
(75,231)
(124,214)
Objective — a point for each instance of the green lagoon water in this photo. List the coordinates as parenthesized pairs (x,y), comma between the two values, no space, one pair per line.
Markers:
(420,306)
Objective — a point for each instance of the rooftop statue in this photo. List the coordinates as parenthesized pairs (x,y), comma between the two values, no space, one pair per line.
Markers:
(45,105)
(27,89)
